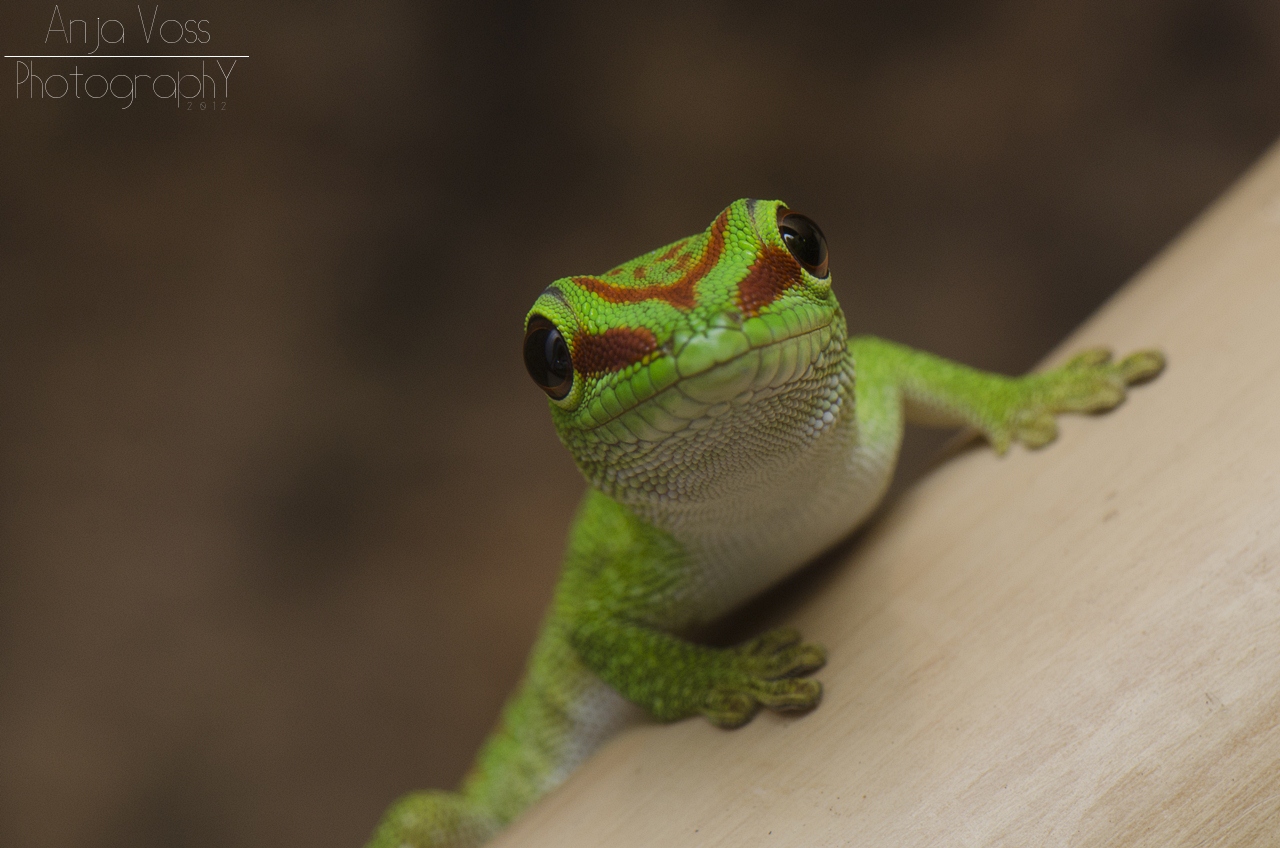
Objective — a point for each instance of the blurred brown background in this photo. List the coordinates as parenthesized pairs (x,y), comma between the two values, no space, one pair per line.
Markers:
(279,508)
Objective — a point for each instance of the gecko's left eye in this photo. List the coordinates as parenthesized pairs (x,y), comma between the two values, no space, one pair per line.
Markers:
(547,357)
(804,239)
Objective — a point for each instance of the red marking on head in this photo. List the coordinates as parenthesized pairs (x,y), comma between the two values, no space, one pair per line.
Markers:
(612,350)
(672,250)
(615,272)
(679,294)
(773,272)
(638,273)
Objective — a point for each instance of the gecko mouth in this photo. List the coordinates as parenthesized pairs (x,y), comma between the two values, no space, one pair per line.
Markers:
(710,374)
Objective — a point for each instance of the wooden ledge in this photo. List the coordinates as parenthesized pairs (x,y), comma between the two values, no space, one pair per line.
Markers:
(1076,646)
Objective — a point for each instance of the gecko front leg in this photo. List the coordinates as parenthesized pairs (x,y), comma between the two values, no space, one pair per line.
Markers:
(672,678)
(619,608)
(939,392)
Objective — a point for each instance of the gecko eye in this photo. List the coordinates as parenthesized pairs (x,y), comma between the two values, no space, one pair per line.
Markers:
(547,357)
(804,239)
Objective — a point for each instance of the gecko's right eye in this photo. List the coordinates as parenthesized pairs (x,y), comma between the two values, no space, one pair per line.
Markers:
(547,357)
(804,238)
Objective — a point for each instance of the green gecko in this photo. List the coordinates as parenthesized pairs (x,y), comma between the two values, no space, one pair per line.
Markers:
(730,431)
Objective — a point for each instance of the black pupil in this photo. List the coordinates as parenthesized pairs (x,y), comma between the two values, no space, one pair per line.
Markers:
(547,357)
(805,241)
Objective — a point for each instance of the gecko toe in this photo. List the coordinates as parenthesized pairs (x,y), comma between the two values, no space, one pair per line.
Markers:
(780,653)
(1141,366)
(792,695)
(1091,358)
(728,707)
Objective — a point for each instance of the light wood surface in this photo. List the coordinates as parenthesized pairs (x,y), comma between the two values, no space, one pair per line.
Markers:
(1074,646)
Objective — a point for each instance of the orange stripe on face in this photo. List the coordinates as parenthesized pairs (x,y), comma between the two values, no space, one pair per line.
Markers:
(679,294)
(773,272)
(612,350)
(673,250)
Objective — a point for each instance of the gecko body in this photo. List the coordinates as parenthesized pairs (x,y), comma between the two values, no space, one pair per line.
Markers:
(730,431)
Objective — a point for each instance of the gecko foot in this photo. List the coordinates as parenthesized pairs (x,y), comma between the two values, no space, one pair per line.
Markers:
(1089,382)
(768,672)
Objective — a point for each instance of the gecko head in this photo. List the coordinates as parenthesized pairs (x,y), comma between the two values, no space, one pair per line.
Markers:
(729,343)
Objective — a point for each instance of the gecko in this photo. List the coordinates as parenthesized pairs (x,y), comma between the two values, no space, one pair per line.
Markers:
(730,430)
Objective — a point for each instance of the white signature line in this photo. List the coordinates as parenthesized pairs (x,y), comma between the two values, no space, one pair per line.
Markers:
(119,56)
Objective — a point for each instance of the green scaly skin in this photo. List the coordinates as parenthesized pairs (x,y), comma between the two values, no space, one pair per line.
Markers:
(730,431)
